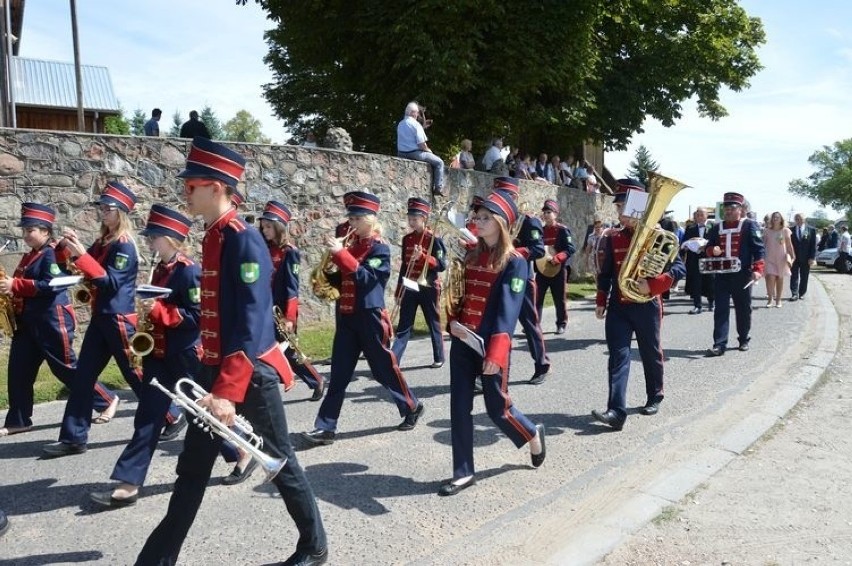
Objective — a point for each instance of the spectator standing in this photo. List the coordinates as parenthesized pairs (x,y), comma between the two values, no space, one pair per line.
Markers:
(411,144)
(152,126)
(823,239)
(844,247)
(804,244)
(833,238)
(779,252)
(697,284)
(493,155)
(194,127)
(466,160)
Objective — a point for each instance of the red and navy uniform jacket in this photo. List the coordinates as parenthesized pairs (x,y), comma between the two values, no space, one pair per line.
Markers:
(33,295)
(559,236)
(437,260)
(237,329)
(364,273)
(741,239)
(492,303)
(529,242)
(111,268)
(286,262)
(613,248)
(175,318)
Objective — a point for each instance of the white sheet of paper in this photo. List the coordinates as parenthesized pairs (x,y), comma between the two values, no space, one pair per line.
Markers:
(635,204)
(153,290)
(410,284)
(471,339)
(65,281)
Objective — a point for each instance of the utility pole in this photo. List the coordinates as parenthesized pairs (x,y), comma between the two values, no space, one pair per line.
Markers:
(78,74)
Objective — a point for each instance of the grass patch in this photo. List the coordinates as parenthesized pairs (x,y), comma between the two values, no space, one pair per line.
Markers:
(668,514)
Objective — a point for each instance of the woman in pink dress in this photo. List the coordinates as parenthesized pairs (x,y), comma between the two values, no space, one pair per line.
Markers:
(779,253)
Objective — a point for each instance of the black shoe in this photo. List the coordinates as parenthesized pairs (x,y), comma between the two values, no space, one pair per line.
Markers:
(710,308)
(4,523)
(319,437)
(411,418)
(744,346)
(450,488)
(539,377)
(239,476)
(59,449)
(650,408)
(714,352)
(171,431)
(538,459)
(560,330)
(299,558)
(318,392)
(477,388)
(437,365)
(105,499)
(696,310)
(610,418)
(795,297)
(439,192)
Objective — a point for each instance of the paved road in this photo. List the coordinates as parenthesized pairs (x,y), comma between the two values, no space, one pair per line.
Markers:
(376,486)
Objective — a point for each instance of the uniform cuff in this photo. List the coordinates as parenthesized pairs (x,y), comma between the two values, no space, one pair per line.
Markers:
(165,315)
(345,261)
(233,379)
(758,266)
(660,284)
(291,309)
(23,287)
(90,267)
(499,346)
(600,299)
(525,252)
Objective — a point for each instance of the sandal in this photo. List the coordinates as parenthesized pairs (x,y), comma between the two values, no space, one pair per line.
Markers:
(108,414)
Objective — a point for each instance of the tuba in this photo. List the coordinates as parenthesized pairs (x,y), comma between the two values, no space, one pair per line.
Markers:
(323,287)
(651,248)
(452,292)
(245,438)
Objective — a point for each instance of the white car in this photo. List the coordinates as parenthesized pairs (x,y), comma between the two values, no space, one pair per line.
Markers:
(827,257)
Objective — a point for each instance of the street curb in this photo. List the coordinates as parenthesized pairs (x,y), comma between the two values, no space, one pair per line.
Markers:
(598,538)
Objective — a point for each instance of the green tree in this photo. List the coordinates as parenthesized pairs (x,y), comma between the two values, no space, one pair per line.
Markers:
(177,122)
(117,125)
(245,128)
(596,74)
(642,164)
(137,122)
(831,182)
(212,122)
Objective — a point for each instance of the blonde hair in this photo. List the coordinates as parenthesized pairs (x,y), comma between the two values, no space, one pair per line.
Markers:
(373,221)
(783,221)
(125,228)
(500,253)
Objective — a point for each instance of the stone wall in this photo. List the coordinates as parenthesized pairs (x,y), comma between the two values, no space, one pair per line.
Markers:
(69,170)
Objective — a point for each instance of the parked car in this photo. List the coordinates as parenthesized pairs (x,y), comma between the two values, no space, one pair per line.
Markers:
(827,257)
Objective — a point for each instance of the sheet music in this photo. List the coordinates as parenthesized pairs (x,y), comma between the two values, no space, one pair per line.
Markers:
(471,338)
(65,281)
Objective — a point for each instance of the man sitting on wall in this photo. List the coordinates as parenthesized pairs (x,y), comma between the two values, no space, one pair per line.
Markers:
(411,144)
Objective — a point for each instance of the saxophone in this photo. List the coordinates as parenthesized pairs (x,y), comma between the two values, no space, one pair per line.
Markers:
(7,310)
(81,294)
(651,248)
(142,341)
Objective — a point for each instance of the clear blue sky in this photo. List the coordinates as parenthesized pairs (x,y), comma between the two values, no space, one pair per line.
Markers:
(183,54)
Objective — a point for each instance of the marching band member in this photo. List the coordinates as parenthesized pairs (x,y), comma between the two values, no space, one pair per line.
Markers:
(242,364)
(494,280)
(421,249)
(738,237)
(362,323)
(529,244)
(173,324)
(109,266)
(44,321)
(286,261)
(557,237)
(625,317)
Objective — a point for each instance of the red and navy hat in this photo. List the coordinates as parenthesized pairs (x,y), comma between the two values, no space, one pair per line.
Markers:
(116,194)
(164,221)
(509,184)
(34,214)
(418,207)
(733,198)
(502,204)
(237,198)
(624,185)
(550,205)
(210,160)
(276,212)
(476,202)
(360,203)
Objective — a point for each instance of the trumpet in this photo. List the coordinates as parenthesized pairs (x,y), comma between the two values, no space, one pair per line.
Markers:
(292,340)
(323,288)
(252,443)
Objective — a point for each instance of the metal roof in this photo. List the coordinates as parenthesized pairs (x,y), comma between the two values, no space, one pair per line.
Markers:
(51,84)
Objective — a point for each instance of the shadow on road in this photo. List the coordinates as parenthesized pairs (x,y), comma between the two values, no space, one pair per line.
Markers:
(55,558)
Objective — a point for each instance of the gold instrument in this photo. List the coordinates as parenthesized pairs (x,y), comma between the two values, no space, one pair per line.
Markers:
(290,337)
(7,307)
(81,294)
(422,281)
(515,229)
(651,248)
(452,292)
(323,288)
(545,267)
(142,342)
(244,436)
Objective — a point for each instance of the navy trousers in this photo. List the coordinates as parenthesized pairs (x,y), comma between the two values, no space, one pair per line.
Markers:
(729,286)
(556,285)
(365,331)
(622,321)
(264,409)
(47,338)
(306,371)
(532,329)
(465,366)
(427,300)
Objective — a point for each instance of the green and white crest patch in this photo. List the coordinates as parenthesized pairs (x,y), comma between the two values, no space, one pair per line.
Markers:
(195,294)
(249,272)
(296,268)
(121,261)
(54,269)
(535,235)
(374,262)
(517,285)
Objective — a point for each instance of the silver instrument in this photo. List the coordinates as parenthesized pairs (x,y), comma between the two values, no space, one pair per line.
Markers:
(252,443)
(714,265)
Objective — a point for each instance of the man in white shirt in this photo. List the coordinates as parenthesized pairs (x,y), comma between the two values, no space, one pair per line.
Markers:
(843,248)
(493,154)
(411,144)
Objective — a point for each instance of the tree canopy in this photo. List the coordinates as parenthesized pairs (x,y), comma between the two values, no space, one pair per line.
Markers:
(831,183)
(642,164)
(545,75)
(208,116)
(244,128)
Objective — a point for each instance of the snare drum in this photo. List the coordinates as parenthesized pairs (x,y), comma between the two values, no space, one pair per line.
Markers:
(715,265)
